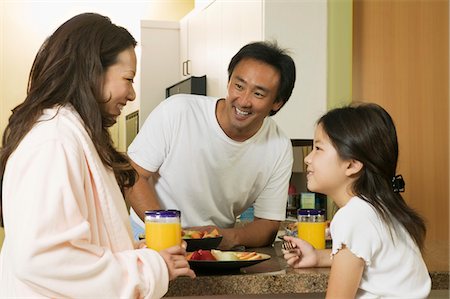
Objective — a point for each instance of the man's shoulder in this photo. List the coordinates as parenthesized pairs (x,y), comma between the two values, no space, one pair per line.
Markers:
(187,106)
(274,132)
(183,100)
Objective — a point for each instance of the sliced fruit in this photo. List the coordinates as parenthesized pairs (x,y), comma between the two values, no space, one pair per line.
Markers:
(197,235)
(248,256)
(201,255)
(212,234)
(224,255)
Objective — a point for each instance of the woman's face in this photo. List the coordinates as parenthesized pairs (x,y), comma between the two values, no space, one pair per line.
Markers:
(118,85)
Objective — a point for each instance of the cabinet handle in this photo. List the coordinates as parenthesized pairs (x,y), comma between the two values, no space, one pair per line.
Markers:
(184,67)
(187,67)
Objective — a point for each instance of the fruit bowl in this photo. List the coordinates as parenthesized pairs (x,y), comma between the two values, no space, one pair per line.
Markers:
(204,243)
(216,260)
(196,239)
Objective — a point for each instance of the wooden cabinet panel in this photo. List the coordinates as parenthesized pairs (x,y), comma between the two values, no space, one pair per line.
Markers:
(401,61)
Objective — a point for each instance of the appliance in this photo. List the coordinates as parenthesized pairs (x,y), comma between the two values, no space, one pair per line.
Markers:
(191,85)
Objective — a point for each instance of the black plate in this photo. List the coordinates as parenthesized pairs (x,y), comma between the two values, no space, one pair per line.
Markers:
(226,265)
(205,243)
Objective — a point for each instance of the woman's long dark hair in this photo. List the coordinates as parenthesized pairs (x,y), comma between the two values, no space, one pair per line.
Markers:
(69,68)
(366,133)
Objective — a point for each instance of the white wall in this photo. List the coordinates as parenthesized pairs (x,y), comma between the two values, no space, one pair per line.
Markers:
(24,25)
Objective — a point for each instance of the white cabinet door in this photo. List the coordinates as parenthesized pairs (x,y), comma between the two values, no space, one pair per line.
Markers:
(230,25)
(193,44)
(197,45)
(215,69)
(184,56)
(218,31)
(301,27)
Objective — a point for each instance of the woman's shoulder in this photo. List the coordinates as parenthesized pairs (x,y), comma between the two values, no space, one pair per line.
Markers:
(58,124)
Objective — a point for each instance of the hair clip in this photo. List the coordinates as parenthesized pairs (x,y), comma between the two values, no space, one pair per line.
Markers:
(398,184)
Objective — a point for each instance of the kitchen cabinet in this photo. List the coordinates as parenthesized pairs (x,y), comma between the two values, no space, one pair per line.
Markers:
(406,71)
(192,85)
(216,32)
(208,37)
(192,44)
(301,27)
(230,25)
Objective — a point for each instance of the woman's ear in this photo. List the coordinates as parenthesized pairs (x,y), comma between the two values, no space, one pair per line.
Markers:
(353,167)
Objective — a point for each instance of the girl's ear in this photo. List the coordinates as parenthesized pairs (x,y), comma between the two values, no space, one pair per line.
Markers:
(353,167)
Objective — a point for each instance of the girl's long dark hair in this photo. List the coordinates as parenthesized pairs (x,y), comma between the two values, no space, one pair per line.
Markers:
(366,133)
(69,68)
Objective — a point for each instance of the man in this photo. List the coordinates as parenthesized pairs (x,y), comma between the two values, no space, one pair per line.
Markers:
(213,158)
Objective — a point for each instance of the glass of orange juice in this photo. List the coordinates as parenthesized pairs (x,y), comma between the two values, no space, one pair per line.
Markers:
(311,227)
(162,229)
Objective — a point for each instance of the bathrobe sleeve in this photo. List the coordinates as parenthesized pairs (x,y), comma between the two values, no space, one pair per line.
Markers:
(61,244)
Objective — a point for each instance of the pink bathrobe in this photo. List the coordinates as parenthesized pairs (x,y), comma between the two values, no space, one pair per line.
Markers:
(67,232)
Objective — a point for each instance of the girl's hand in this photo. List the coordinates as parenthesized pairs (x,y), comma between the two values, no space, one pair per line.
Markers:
(175,258)
(302,256)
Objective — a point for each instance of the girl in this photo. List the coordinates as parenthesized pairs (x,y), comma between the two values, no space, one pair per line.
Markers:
(66,223)
(377,238)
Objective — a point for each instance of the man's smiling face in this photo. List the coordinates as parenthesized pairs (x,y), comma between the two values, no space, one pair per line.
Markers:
(252,91)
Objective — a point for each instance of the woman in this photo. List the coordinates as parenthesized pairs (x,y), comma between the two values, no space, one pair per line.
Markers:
(66,224)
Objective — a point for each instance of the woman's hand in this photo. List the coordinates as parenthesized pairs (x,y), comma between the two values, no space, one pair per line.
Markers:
(302,256)
(175,258)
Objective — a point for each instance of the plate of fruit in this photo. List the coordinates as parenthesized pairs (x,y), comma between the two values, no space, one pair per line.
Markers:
(224,260)
(201,239)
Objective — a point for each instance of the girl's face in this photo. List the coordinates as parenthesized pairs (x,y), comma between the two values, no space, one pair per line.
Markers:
(327,173)
(118,85)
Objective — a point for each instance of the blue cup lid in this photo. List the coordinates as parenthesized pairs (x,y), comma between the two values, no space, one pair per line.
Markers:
(310,212)
(163,213)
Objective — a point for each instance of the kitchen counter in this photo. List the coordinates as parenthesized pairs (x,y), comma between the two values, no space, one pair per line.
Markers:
(275,277)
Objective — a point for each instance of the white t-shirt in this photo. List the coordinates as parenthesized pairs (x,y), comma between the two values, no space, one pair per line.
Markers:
(394,265)
(209,177)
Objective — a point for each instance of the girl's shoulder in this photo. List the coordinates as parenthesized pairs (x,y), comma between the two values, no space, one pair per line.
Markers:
(357,226)
(358,220)
(356,209)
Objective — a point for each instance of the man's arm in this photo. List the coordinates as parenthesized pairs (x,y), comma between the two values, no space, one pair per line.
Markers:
(259,233)
(142,196)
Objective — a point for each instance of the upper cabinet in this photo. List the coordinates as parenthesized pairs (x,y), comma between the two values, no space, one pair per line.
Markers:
(301,27)
(230,25)
(209,37)
(192,44)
